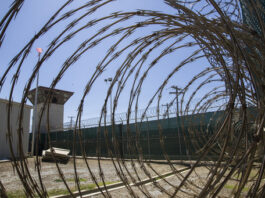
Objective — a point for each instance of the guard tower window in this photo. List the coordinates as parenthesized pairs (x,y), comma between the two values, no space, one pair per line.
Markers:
(54,100)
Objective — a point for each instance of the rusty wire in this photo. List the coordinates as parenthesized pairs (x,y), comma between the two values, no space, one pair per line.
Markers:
(236,56)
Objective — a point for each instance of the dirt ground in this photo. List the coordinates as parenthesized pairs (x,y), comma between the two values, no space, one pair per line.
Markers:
(161,188)
(166,187)
(52,180)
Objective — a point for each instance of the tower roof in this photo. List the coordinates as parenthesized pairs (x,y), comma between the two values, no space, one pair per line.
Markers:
(57,96)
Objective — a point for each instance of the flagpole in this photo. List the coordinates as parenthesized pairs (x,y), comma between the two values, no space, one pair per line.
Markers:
(39,50)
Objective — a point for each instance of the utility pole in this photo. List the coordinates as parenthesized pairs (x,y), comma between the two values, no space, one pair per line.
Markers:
(110,80)
(167,105)
(177,92)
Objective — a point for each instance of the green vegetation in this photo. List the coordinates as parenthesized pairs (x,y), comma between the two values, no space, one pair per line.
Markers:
(16,194)
(82,187)
(231,187)
(164,176)
(71,180)
(53,192)
(253,174)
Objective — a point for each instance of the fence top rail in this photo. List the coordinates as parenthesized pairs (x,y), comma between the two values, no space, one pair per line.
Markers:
(150,115)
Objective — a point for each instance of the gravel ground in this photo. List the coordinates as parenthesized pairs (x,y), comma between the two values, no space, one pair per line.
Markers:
(52,180)
(197,180)
(168,185)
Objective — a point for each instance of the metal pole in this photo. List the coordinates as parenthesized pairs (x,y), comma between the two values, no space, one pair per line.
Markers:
(178,121)
(177,114)
(71,122)
(167,105)
(148,140)
(111,107)
(177,97)
(110,80)
(121,140)
(34,125)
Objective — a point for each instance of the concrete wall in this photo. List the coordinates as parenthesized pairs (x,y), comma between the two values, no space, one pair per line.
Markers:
(55,117)
(4,144)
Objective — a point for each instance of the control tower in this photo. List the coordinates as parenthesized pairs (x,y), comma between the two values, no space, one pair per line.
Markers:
(56,107)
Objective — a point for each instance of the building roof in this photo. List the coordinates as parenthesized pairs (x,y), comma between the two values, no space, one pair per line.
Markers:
(57,96)
(14,103)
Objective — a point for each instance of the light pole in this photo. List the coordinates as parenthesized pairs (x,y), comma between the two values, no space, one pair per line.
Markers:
(34,124)
(110,80)
(177,92)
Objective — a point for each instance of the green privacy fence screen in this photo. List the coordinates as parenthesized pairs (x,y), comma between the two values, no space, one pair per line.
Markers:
(182,138)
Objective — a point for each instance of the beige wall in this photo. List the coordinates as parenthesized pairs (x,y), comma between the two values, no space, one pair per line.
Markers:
(14,122)
(55,117)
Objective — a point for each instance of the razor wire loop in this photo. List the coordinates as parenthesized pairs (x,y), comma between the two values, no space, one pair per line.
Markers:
(235,54)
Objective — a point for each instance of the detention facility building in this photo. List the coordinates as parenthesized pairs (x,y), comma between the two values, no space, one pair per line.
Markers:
(5,152)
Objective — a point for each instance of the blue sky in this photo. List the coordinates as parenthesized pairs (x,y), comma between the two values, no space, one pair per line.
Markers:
(33,16)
